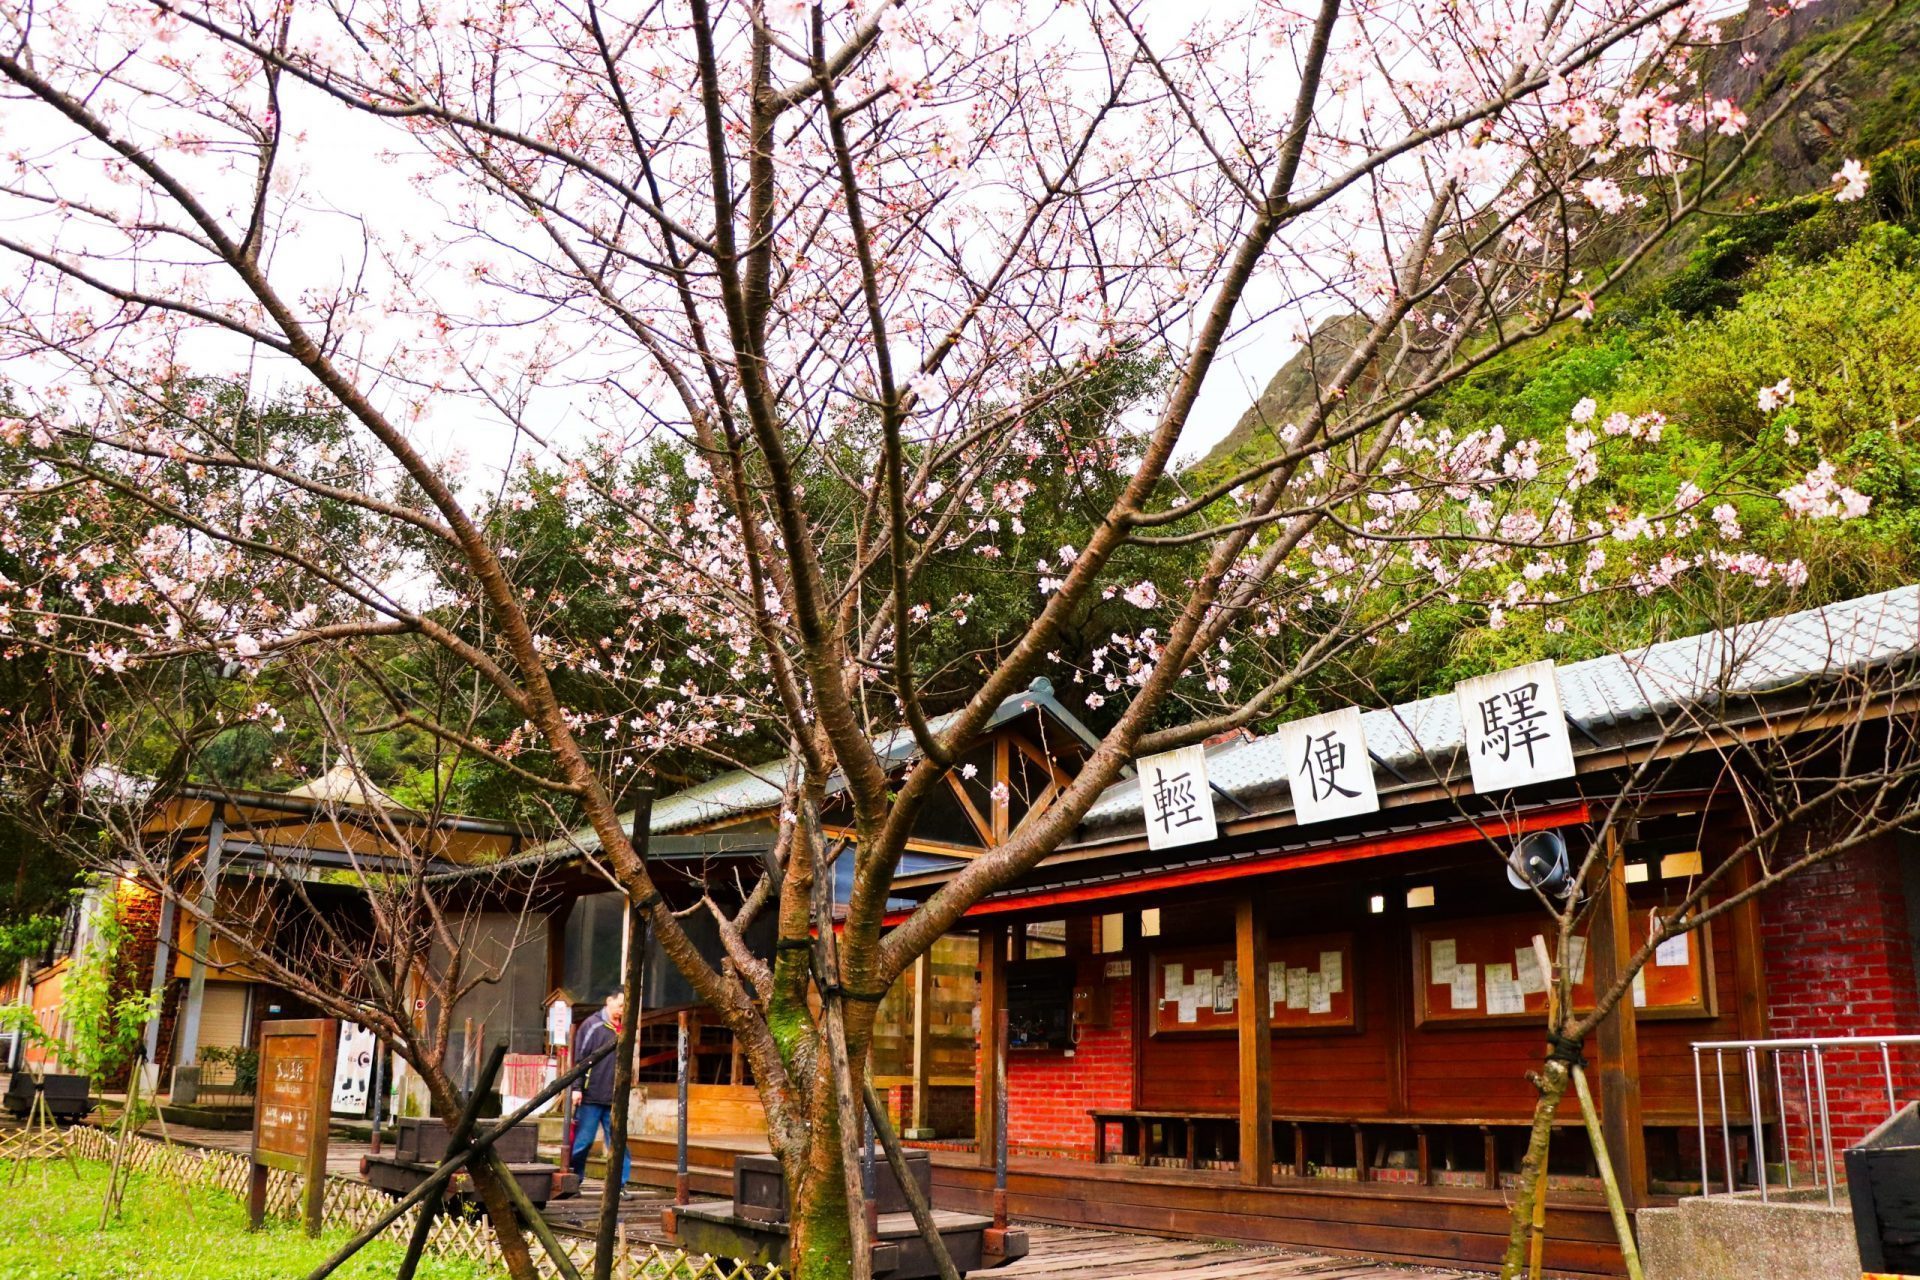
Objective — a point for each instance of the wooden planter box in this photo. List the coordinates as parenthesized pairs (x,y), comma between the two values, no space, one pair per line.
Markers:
(69,1097)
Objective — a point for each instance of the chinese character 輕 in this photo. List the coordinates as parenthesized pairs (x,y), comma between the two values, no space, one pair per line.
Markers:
(1174,803)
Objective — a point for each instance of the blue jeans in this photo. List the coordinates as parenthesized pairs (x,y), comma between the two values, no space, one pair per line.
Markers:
(589,1120)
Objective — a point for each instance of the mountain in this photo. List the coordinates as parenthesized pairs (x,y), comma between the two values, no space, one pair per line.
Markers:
(1868,104)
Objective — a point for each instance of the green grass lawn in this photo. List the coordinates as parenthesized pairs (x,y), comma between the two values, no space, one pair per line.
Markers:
(49,1231)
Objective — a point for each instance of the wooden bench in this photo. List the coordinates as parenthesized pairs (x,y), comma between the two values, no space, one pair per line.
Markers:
(1136,1126)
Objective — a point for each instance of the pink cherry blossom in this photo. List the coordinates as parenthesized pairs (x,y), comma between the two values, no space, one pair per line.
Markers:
(1853,181)
(1819,494)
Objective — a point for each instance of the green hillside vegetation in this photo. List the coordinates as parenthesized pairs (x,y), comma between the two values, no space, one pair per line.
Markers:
(1826,296)
(1790,285)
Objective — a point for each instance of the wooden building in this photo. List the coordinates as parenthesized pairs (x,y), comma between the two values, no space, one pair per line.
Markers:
(1319,1035)
(711,839)
(238,855)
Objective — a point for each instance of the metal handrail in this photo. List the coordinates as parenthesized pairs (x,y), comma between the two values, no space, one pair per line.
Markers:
(1807,1043)
(1812,1054)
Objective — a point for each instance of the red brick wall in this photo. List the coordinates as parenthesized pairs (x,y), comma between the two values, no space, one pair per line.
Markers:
(1048,1093)
(1840,962)
(139,912)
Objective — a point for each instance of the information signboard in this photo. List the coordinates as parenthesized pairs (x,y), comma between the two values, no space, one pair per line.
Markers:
(291,1104)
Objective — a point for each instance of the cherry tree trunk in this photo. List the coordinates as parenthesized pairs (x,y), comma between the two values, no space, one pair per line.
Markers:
(1553,1080)
(822,1225)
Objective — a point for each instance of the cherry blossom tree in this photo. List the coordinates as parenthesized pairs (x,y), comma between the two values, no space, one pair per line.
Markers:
(765,314)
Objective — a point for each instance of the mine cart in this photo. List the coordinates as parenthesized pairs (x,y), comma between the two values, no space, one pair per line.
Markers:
(68,1097)
(421,1147)
(753,1226)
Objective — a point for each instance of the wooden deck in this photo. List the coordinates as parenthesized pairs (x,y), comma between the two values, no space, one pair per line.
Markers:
(1448,1228)
(1426,1226)
(1059,1252)
(1063,1253)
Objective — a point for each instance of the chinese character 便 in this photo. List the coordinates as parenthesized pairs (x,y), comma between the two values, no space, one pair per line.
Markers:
(1323,762)
(1174,804)
(1509,722)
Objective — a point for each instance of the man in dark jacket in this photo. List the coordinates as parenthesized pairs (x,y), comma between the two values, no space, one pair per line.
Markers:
(593,1104)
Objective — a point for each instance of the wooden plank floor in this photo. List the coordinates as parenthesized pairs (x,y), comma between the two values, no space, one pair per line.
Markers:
(1446,1229)
(1058,1253)
(1064,1253)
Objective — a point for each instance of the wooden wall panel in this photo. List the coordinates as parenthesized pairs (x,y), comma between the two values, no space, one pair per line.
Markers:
(1390,1067)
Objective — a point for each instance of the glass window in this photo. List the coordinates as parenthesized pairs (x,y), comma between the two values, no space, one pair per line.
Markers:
(595,932)
(1046,939)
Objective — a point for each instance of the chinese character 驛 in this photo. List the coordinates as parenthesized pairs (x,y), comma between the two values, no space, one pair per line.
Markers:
(1509,722)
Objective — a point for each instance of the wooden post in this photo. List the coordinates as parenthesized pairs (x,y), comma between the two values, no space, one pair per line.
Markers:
(542,1230)
(916,1202)
(1619,1036)
(157,989)
(1000,1119)
(614,1185)
(189,1054)
(1256,1046)
(917,1126)
(682,1181)
(1749,953)
(991,1004)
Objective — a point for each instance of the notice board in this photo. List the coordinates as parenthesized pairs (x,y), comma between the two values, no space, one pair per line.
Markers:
(1311,986)
(1484,970)
(292,1101)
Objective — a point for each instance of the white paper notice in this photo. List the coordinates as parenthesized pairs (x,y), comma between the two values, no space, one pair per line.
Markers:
(1226,989)
(1673,952)
(1577,960)
(1503,993)
(1276,986)
(1527,974)
(1319,1000)
(1299,992)
(1441,954)
(1332,968)
(1640,990)
(1466,986)
(1176,981)
(1203,988)
(1189,1004)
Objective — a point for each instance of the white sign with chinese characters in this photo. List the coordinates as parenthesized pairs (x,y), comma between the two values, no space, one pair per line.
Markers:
(1516,732)
(1175,796)
(353,1069)
(1328,766)
(559,1023)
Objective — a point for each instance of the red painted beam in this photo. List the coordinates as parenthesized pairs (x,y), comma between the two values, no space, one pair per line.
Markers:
(1562,815)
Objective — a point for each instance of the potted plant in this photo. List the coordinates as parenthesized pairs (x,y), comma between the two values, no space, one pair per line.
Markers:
(100,1031)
